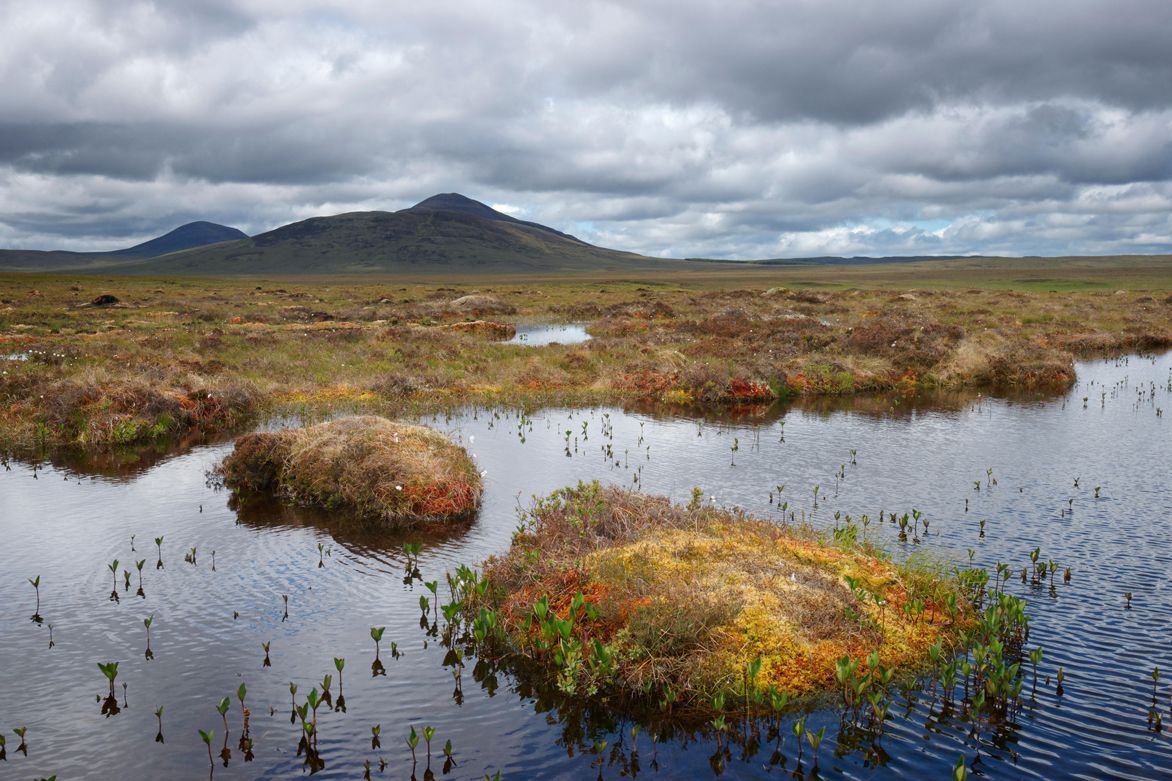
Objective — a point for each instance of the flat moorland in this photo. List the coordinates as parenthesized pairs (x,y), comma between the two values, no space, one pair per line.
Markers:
(160,356)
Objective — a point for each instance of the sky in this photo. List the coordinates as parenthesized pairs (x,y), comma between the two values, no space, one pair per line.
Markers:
(731,129)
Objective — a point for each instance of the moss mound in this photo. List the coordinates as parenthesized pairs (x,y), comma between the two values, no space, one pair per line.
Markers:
(380,469)
(663,600)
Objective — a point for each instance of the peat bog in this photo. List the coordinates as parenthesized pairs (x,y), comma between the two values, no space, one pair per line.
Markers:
(1059,498)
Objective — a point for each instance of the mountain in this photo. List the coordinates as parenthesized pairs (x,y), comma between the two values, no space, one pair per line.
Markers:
(193,234)
(447,233)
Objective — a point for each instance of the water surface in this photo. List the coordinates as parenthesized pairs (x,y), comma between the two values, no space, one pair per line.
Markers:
(66,519)
(541,334)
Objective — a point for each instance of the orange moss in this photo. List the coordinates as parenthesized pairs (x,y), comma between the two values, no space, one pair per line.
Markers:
(744,390)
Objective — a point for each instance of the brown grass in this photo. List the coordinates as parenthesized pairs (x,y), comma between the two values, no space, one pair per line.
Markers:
(148,366)
(484,328)
(377,468)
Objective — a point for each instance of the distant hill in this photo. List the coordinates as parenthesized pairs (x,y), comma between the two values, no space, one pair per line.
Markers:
(193,234)
(447,233)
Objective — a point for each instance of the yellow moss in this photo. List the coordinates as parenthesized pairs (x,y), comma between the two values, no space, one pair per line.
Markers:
(328,393)
(735,590)
(678,396)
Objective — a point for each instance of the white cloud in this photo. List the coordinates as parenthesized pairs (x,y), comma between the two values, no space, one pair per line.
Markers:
(700,129)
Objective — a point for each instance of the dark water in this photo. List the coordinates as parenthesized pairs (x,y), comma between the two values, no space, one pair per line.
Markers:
(66,521)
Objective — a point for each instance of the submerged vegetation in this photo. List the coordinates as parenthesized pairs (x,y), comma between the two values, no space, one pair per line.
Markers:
(626,594)
(378,468)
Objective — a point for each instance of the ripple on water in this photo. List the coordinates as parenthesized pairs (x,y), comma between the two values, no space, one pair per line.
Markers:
(68,527)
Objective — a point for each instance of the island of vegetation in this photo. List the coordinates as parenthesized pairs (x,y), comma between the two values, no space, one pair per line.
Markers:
(617,593)
(376,468)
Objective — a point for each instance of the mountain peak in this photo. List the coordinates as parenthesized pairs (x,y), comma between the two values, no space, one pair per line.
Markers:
(193,234)
(455,202)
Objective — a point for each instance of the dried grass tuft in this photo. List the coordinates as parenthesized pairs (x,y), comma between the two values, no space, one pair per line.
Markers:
(380,469)
(484,328)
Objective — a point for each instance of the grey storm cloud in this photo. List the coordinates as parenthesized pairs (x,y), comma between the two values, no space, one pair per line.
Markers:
(720,129)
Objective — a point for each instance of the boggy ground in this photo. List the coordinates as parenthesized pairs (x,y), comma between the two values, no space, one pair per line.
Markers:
(617,592)
(172,355)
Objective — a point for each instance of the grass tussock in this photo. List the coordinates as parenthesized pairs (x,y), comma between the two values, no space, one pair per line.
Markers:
(684,599)
(97,409)
(484,328)
(377,468)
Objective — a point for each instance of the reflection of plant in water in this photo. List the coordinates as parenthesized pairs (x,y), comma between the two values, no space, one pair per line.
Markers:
(110,704)
(159,716)
(267,662)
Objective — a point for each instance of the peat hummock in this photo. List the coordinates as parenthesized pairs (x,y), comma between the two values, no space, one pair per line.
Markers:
(377,468)
(617,592)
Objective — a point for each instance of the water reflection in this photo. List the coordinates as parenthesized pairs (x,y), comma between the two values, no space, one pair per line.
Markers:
(121,463)
(541,334)
(1077,477)
(353,533)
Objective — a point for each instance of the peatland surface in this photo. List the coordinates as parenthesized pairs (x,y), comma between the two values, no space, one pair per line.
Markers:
(92,362)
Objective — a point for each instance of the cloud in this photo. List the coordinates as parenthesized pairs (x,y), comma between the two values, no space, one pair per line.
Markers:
(733,129)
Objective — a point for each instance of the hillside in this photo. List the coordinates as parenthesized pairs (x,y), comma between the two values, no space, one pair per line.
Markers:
(193,234)
(445,233)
